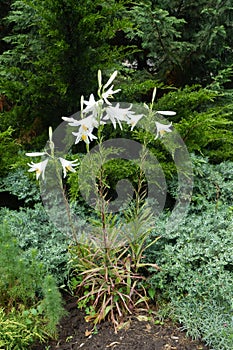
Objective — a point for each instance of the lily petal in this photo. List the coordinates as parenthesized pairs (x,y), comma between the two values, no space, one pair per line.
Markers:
(68,165)
(36,154)
(166,112)
(110,80)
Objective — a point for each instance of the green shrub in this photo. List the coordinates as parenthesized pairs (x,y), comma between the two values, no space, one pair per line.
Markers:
(20,184)
(203,119)
(209,320)
(31,304)
(212,184)
(196,272)
(186,101)
(19,329)
(8,150)
(32,225)
(136,86)
(33,230)
(52,304)
(20,277)
(196,275)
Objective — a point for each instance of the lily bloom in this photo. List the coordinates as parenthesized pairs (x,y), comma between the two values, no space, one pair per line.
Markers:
(39,168)
(162,129)
(133,120)
(68,165)
(92,106)
(86,126)
(87,123)
(84,134)
(117,114)
(105,95)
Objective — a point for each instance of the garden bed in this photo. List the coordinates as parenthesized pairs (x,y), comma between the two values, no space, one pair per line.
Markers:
(136,335)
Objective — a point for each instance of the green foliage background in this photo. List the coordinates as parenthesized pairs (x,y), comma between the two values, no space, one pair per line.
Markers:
(50,53)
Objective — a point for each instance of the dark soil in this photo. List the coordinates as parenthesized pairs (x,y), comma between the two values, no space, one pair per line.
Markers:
(136,335)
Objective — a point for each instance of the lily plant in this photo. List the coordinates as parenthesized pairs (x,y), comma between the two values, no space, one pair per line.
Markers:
(106,277)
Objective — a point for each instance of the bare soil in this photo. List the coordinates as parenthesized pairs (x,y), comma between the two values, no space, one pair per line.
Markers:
(138,334)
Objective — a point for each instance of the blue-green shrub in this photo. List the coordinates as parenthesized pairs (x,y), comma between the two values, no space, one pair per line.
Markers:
(34,231)
(196,277)
(20,184)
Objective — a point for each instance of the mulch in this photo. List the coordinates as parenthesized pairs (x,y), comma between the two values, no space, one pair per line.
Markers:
(138,334)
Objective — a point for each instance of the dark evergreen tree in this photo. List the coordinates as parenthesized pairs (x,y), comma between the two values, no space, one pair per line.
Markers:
(183,42)
(56,48)
(5,7)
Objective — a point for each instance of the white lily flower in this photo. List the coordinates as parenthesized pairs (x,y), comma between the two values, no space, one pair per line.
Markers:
(91,101)
(86,126)
(162,129)
(109,93)
(39,168)
(92,106)
(68,165)
(134,119)
(117,114)
(87,123)
(84,134)
(36,154)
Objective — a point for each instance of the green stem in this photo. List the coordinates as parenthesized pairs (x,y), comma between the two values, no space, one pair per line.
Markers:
(59,178)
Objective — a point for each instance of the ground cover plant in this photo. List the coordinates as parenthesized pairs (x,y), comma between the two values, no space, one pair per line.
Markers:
(31,226)
(196,260)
